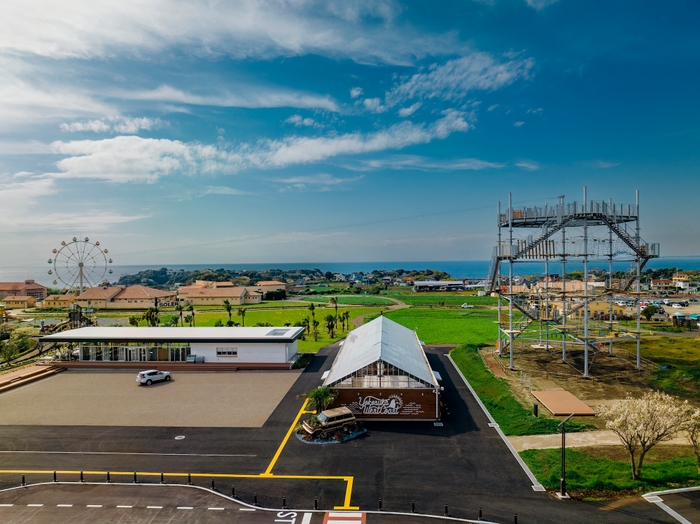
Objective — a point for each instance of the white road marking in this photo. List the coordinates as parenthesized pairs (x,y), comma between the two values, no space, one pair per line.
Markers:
(34,505)
(64,505)
(216,509)
(306,519)
(94,506)
(246,509)
(345,514)
(128,453)
(185,507)
(154,507)
(6,505)
(125,507)
(344,521)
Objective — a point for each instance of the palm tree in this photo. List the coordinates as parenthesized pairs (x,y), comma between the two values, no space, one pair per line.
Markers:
(241,313)
(314,329)
(188,319)
(347,319)
(312,308)
(330,325)
(229,308)
(191,310)
(320,398)
(151,317)
(179,309)
(334,302)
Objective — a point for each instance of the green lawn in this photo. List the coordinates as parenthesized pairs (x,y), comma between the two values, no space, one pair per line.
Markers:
(279,317)
(585,471)
(441,299)
(495,393)
(354,300)
(443,326)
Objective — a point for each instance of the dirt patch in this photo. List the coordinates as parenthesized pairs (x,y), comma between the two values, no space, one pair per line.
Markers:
(660,453)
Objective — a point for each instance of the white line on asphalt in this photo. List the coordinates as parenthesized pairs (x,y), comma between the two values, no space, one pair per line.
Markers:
(345,514)
(216,509)
(125,507)
(6,505)
(343,521)
(129,453)
(307,518)
(34,505)
(154,507)
(246,509)
(185,507)
(94,506)
(64,505)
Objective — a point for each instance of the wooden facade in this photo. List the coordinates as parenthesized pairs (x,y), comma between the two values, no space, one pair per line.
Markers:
(390,403)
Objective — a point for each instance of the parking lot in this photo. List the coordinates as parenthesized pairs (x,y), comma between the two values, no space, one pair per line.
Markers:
(243,399)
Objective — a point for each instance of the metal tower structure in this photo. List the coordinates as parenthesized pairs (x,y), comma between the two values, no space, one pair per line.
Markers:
(556,311)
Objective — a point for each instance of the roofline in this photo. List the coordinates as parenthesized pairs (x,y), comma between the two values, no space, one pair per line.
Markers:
(66,337)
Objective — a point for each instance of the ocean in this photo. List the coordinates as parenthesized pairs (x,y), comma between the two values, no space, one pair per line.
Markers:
(472,269)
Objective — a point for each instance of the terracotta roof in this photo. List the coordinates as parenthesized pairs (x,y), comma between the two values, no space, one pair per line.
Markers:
(132,292)
(270,283)
(18,286)
(212,292)
(100,293)
(59,297)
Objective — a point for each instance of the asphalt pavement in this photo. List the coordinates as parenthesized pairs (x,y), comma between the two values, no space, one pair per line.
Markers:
(463,464)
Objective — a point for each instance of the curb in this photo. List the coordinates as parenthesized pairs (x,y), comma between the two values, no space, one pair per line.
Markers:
(536,486)
(654,497)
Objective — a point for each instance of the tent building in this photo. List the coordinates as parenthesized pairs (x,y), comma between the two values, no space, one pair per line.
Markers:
(382,372)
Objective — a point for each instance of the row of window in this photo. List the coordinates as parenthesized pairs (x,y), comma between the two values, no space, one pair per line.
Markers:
(226,352)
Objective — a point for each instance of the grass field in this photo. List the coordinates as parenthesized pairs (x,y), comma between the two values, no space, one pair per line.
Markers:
(496,395)
(353,300)
(442,326)
(440,299)
(587,470)
(280,317)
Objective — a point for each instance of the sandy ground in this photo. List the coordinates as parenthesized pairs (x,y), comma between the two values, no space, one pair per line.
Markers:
(575,440)
(81,398)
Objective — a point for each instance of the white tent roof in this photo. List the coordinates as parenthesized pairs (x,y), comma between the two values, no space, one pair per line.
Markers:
(381,339)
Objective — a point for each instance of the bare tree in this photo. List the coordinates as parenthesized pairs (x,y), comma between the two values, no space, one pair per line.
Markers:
(641,423)
(692,430)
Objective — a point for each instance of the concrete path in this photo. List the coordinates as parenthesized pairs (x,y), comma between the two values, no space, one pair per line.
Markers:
(575,440)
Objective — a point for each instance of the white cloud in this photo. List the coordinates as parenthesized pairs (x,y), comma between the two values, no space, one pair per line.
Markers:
(299,121)
(244,96)
(321,182)
(518,124)
(420,163)
(223,190)
(113,124)
(540,4)
(494,106)
(373,105)
(528,165)
(355,92)
(534,111)
(454,79)
(240,29)
(405,112)
(31,147)
(606,165)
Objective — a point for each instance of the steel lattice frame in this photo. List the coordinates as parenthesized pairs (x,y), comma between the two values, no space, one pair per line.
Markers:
(80,264)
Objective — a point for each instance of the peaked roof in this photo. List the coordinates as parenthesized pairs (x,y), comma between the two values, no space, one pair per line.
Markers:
(100,293)
(213,292)
(132,292)
(381,339)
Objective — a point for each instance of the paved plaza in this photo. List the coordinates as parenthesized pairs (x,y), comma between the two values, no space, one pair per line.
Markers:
(243,399)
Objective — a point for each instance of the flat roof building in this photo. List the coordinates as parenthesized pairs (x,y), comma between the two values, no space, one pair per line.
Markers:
(381,371)
(245,346)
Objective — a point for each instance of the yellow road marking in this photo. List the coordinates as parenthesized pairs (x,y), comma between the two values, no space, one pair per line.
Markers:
(268,471)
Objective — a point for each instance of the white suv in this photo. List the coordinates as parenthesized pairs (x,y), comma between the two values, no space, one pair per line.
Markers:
(151,376)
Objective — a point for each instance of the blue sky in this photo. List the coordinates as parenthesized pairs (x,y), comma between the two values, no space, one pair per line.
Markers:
(261,131)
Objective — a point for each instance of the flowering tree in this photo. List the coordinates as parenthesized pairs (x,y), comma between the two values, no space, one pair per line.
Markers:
(641,423)
(692,429)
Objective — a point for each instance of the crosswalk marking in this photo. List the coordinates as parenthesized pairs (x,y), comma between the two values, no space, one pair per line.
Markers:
(94,506)
(154,507)
(344,517)
(34,505)
(64,505)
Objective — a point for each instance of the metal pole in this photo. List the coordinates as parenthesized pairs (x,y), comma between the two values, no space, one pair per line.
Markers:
(585,284)
(610,280)
(498,283)
(563,286)
(562,485)
(546,301)
(639,276)
(510,279)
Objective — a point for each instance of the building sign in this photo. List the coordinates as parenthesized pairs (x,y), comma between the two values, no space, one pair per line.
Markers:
(393,405)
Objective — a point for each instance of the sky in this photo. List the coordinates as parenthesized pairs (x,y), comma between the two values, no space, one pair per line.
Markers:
(183,132)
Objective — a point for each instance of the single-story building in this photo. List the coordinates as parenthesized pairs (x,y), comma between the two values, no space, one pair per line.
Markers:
(229,345)
(19,302)
(121,297)
(215,295)
(438,285)
(58,301)
(28,288)
(382,372)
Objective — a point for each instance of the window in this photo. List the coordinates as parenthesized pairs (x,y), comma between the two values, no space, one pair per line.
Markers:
(226,352)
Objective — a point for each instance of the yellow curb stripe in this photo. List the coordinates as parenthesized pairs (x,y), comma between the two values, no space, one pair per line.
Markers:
(268,471)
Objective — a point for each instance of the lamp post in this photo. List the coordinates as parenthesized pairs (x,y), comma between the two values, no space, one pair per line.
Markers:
(562,487)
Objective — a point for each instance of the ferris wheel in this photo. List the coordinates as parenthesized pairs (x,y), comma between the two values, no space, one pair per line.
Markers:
(80,263)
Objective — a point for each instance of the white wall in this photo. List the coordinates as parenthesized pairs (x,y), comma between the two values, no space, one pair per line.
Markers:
(247,352)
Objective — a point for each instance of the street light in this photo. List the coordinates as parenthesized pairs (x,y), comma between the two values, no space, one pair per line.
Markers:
(562,487)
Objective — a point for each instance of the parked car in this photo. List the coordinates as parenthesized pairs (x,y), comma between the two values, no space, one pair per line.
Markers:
(692,299)
(152,375)
(466,306)
(677,306)
(329,421)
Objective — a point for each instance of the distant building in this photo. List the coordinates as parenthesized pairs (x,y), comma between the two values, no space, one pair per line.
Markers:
(19,302)
(215,295)
(121,297)
(661,284)
(681,281)
(58,301)
(28,288)
(268,285)
(438,285)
